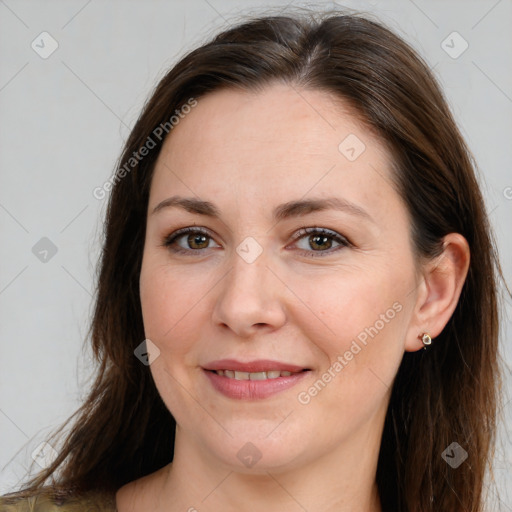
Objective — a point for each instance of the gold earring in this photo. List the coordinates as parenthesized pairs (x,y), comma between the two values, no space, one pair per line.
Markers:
(426,340)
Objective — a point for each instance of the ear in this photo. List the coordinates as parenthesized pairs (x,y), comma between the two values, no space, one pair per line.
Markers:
(441,282)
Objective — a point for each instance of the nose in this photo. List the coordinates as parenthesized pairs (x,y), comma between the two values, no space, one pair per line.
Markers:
(250,298)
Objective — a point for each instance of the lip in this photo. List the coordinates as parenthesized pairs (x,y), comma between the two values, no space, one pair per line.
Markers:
(260,365)
(253,389)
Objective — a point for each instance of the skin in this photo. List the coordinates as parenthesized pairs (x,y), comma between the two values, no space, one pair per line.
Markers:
(246,153)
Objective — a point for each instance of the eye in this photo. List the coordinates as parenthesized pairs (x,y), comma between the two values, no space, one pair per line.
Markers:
(195,240)
(321,240)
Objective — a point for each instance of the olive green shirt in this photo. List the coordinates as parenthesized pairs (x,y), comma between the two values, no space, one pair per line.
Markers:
(91,502)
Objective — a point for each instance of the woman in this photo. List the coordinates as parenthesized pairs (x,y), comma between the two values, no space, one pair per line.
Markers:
(296,307)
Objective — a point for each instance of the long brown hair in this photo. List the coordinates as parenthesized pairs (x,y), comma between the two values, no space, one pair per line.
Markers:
(447,394)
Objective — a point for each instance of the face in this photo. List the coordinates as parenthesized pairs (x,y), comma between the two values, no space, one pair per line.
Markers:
(304,310)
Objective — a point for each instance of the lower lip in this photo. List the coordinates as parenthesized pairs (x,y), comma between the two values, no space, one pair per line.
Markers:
(253,389)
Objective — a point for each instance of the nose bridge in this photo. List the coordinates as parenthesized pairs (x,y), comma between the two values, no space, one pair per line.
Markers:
(249,293)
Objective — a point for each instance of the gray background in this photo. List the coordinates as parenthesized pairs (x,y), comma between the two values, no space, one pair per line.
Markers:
(65,117)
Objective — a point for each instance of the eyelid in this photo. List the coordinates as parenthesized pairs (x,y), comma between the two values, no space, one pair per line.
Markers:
(301,232)
(172,237)
(343,241)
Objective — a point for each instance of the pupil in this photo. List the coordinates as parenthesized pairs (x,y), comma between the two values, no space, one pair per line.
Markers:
(323,239)
(196,239)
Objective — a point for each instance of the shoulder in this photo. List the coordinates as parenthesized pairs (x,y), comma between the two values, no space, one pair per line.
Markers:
(46,501)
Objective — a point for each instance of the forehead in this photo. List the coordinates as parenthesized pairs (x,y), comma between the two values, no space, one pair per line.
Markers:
(279,143)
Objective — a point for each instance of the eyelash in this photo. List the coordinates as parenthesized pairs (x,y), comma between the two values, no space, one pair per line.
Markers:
(170,240)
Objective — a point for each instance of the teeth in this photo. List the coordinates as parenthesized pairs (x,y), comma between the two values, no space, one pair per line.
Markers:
(272,374)
(258,376)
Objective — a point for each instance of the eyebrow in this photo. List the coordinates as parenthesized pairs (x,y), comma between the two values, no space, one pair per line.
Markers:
(283,211)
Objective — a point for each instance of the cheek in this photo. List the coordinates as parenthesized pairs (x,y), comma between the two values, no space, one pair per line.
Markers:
(357,321)
(166,313)
(343,306)
(362,360)
(167,323)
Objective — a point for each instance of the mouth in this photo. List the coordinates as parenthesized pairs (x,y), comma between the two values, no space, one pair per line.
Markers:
(253,380)
(268,375)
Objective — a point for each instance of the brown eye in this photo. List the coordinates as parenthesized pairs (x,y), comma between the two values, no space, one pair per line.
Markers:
(195,240)
(320,241)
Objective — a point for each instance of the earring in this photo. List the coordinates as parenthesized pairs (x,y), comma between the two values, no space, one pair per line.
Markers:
(426,340)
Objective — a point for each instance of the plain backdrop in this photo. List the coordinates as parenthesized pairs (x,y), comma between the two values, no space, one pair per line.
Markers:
(65,115)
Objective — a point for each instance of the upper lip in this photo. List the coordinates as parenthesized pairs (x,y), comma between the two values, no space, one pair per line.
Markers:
(259,365)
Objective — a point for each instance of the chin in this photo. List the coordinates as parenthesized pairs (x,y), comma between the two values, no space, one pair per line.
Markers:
(255,452)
